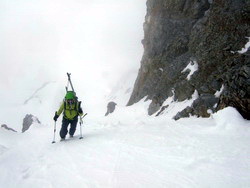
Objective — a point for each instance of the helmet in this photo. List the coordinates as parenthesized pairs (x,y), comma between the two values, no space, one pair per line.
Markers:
(70,95)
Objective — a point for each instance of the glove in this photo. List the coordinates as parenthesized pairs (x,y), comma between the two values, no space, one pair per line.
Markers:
(55,117)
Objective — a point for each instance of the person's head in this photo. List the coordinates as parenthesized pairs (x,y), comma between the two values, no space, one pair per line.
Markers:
(70,101)
(70,97)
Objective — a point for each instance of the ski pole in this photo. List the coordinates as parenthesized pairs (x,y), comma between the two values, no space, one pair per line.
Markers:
(81,126)
(54,133)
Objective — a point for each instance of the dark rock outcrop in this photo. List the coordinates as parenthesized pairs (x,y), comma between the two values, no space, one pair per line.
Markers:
(28,121)
(110,108)
(200,106)
(205,33)
(7,128)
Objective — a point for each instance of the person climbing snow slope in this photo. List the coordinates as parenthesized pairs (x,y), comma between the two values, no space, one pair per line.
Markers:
(71,109)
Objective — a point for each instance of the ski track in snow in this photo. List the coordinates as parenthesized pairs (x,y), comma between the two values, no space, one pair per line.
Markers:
(149,153)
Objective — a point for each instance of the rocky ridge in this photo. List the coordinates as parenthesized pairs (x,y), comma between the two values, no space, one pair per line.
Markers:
(4,126)
(206,35)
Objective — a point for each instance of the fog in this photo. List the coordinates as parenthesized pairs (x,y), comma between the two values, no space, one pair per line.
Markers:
(40,41)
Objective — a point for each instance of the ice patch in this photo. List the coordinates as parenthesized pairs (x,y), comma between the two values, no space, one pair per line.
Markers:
(218,93)
(247,45)
(209,111)
(192,66)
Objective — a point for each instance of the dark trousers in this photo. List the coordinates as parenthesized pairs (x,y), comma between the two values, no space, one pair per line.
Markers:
(65,124)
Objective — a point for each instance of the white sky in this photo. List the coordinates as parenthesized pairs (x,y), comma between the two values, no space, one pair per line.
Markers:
(40,40)
(49,35)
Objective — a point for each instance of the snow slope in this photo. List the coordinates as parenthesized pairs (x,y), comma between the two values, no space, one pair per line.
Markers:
(130,149)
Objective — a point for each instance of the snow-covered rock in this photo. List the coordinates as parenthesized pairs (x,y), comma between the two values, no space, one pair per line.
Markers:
(28,121)
(110,108)
(230,119)
(7,128)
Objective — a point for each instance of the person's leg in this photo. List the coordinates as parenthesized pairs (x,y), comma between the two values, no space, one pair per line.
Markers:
(73,124)
(64,129)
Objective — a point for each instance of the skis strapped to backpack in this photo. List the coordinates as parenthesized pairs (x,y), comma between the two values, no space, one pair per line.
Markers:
(69,82)
(71,93)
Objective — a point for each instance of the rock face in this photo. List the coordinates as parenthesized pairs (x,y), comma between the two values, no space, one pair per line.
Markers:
(205,37)
(7,128)
(28,121)
(110,108)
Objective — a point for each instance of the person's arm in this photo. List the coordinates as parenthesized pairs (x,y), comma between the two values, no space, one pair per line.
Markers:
(58,113)
(60,109)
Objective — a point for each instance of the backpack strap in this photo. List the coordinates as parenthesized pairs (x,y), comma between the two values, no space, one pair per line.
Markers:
(76,107)
(64,106)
